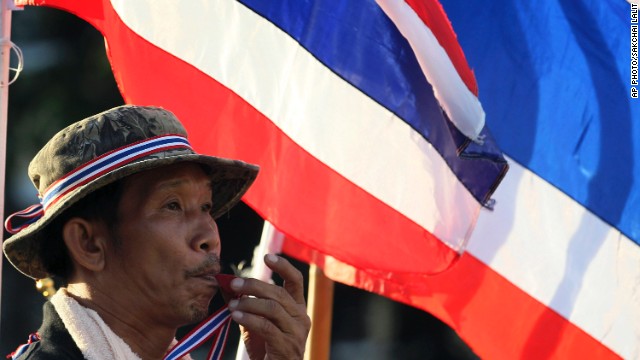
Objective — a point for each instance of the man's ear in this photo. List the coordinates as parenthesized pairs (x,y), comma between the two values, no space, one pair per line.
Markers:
(85,242)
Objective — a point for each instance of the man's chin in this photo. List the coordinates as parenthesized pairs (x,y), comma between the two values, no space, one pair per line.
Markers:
(198,310)
(191,309)
(198,315)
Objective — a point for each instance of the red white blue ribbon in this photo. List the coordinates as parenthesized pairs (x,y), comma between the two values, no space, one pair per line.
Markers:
(217,349)
(31,214)
(216,324)
(92,170)
(33,338)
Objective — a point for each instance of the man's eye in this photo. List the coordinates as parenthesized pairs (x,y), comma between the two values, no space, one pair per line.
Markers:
(207,207)
(174,205)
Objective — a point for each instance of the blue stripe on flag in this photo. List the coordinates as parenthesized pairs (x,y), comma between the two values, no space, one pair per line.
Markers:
(357,41)
(560,104)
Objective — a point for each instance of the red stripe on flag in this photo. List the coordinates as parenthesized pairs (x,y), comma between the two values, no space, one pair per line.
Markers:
(496,318)
(91,11)
(434,16)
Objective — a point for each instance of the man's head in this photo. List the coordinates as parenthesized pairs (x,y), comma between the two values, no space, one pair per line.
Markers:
(160,255)
(107,153)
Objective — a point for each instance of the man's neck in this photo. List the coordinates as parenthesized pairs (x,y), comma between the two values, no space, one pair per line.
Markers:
(149,341)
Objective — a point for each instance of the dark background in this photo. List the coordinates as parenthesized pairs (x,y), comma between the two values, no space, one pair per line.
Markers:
(66,78)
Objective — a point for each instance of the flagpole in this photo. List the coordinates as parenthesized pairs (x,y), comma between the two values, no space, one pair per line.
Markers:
(270,243)
(5,58)
(320,310)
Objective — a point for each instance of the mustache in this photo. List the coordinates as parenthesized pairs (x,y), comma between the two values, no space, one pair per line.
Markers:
(210,264)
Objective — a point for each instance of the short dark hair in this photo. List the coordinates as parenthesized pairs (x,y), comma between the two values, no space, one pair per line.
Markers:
(100,205)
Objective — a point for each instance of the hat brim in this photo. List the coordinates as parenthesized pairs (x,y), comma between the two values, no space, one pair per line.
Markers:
(230,180)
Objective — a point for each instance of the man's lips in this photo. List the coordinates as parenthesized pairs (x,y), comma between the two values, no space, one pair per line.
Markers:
(208,276)
(215,279)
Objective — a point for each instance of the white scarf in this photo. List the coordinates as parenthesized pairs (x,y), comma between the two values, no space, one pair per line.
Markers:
(91,334)
(93,337)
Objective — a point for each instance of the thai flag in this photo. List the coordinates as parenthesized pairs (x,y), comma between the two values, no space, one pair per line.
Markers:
(360,115)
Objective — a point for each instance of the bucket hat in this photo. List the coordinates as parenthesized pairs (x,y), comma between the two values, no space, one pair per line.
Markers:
(99,150)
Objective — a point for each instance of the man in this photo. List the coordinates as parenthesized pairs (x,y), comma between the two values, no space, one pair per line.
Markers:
(126,220)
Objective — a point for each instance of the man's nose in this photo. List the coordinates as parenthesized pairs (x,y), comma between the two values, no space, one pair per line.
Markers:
(206,237)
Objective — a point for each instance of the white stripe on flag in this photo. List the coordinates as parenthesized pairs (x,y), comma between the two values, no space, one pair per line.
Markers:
(563,256)
(368,145)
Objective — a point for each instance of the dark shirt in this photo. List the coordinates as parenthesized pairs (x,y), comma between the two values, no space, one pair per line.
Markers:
(55,341)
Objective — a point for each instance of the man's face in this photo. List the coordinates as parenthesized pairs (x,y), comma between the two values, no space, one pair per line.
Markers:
(169,246)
